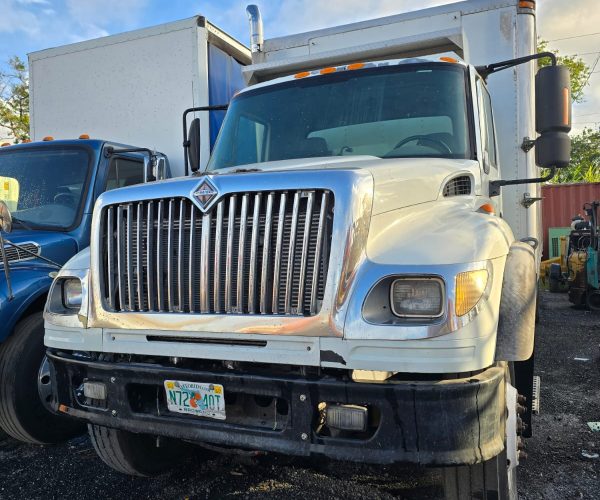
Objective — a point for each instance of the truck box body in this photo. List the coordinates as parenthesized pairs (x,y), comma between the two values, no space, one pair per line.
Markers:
(133,87)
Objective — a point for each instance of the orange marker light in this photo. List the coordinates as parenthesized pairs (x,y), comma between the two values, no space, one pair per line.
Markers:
(63,408)
(302,74)
(84,136)
(26,141)
(48,138)
(487,208)
(355,66)
(527,4)
(3,145)
(325,71)
(448,59)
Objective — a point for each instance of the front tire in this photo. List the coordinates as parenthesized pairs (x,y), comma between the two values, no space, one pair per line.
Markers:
(23,415)
(134,454)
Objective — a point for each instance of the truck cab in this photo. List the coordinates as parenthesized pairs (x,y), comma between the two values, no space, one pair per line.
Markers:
(49,189)
(346,277)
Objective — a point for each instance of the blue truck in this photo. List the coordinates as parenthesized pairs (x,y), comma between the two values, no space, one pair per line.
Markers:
(47,195)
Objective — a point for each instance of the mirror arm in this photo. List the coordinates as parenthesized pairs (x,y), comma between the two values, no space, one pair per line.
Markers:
(488,69)
(6,266)
(496,185)
(186,142)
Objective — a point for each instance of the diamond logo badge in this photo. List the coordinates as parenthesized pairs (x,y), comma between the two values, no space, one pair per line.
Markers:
(205,194)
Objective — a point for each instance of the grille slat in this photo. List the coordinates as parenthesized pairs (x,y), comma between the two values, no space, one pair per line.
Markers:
(139,260)
(229,258)
(205,264)
(278,245)
(121,257)
(110,243)
(241,255)
(217,267)
(253,253)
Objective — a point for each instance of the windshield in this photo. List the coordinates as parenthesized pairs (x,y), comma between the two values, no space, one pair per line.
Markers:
(43,188)
(400,111)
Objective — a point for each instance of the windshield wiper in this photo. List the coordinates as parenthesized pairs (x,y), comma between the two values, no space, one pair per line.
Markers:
(20,222)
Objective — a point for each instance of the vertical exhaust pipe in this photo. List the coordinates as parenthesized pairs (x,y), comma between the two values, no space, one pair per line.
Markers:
(256,28)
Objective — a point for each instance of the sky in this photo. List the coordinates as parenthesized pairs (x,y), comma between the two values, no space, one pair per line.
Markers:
(30,25)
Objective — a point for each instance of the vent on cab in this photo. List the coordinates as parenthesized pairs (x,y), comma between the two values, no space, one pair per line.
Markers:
(459,186)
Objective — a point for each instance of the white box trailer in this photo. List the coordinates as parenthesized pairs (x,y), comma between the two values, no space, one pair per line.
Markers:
(133,87)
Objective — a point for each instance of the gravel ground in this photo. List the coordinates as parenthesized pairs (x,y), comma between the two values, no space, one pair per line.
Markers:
(555,469)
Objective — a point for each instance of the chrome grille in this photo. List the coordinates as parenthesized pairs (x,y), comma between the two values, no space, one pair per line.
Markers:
(458,186)
(14,254)
(252,253)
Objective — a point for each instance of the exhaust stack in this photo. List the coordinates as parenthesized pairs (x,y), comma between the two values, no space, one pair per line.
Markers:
(256,28)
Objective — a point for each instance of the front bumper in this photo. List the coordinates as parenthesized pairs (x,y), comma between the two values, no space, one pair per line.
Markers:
(433,422)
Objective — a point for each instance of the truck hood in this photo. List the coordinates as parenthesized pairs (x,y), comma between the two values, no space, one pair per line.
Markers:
(55,246)
(398,182)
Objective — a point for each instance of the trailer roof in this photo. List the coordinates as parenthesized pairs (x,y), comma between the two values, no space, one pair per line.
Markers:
(465,7)
(216,36)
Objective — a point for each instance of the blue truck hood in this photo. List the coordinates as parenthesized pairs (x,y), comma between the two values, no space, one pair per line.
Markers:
(56,246)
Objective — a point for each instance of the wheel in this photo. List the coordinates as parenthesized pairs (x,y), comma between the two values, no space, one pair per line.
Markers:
(135,454)
(24,381)
(592,299)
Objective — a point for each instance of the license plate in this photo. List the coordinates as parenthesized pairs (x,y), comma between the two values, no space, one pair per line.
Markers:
(194,398)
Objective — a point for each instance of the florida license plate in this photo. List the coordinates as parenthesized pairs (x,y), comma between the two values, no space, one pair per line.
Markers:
(194,398)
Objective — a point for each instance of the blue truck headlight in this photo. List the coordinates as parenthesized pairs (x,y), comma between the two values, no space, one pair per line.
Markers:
(72,293)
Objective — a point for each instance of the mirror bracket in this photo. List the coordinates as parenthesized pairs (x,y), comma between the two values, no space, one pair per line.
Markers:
(494,189)
(527,144)
(186,141)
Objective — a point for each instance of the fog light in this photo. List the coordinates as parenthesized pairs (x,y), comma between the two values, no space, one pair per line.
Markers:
(94,390)
(347,417)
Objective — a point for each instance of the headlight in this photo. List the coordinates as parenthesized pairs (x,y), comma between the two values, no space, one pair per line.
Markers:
(470,287)
(71,293)
(417,297)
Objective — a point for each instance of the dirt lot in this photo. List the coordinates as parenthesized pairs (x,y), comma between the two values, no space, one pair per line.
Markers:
(555,469)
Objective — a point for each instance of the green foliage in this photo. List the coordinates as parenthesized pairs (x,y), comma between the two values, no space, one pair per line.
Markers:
(580,71)
(585,159)
(14,99)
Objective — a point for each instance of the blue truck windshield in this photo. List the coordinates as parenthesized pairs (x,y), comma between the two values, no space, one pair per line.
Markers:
(400,111)
(44,187)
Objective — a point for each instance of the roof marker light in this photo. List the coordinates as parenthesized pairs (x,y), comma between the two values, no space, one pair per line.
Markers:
(328,70)
(48,138)
(448,59)
(4,144)
(357,65)
(302,74)
(84,136)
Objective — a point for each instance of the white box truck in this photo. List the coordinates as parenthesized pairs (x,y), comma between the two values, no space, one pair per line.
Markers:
(354,272)
(134,87)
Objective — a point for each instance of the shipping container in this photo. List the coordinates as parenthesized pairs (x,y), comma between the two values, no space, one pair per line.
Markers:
(563,201)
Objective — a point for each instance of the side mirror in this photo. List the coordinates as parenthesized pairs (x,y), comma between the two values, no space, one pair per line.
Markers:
(193,150)
(553,117)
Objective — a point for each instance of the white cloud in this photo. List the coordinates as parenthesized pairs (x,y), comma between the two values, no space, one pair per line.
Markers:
(15,19)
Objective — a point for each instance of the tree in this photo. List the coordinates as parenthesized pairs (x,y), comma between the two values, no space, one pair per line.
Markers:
(580,71)
(14,99)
